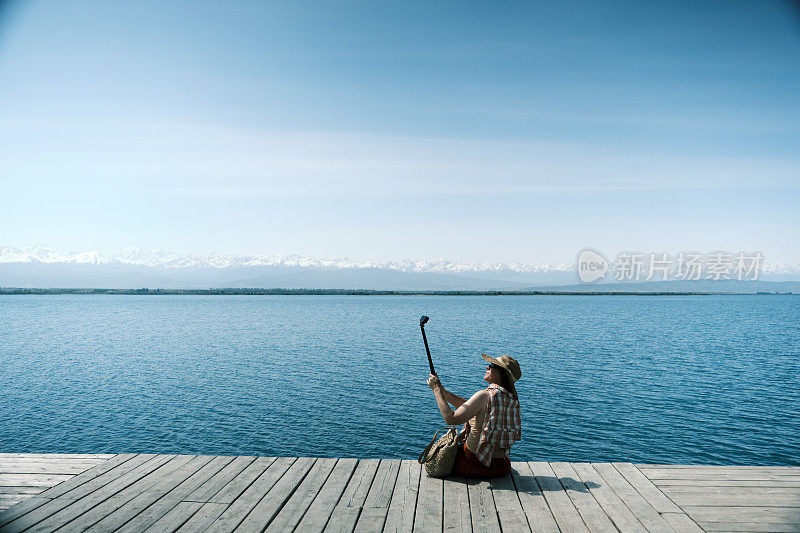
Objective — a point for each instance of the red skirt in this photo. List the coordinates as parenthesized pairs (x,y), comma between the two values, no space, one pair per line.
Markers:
(467,465)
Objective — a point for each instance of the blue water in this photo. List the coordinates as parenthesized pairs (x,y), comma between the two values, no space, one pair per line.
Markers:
(667,379)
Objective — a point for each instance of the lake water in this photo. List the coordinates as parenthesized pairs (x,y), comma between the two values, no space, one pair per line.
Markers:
(658,379)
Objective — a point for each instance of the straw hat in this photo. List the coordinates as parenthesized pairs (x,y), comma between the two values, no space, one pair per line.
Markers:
(509,364)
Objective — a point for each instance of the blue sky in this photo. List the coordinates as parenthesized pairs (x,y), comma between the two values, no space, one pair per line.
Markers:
(376,130)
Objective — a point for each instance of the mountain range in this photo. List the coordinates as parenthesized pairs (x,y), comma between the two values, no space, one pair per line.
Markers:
(44,267)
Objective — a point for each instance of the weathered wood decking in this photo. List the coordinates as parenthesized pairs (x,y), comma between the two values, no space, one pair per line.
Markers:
(138,492)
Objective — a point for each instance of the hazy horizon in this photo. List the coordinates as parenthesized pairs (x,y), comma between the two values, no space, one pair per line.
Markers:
(135,268)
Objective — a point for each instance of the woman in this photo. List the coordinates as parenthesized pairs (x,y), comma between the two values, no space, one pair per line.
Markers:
(491,419)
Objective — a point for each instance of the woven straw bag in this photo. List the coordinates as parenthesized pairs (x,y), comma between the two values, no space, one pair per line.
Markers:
(439,456)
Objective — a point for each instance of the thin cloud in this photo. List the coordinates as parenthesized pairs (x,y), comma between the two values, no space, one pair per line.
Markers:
(207,161)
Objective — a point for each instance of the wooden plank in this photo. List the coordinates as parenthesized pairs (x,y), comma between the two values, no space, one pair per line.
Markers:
(509,509)
(342,519)
(47,468)
(51,459)
(592,513)
(681,522)
(101,475)
(9,500)
(296,506)
(70,483)
(264,512)
(612,505)
(33,480)
(345,515)
(723,483)
(355,493)
(639,506)
(682,473)
(118,510)
(457,516)
(771,515)
(239,484)
(203,518)
(96,506)
(35,515)
(29,491)
(795,469)
(744,500)
(4,456)
(404,497)
(250,495)
(564,511)
(684,490)
(748,526)
(430,504)
(47,461)
(22,508)
(147,508)
(10,496)
(533,501)
(380,491)
(590,510)
(376,505)
(61,510)
(321,508)
(482,510)
(159,492)
(175,518)
(654,497)
(218,481)
(744,475)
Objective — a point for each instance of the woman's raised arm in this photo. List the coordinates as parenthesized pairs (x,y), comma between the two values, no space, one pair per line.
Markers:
(465,411)
(453,399)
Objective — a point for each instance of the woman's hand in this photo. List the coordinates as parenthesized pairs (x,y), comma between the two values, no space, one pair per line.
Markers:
(434,383)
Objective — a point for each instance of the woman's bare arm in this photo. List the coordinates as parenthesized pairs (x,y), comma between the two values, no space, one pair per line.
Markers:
(465,411)
(453,399)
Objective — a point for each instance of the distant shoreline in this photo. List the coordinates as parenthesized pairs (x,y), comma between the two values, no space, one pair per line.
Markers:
(360,292)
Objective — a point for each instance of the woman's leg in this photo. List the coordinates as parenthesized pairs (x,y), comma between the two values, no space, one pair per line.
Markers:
(500,467)
(467,465)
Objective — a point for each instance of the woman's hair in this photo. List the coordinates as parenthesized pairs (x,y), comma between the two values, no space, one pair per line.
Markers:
(507,384)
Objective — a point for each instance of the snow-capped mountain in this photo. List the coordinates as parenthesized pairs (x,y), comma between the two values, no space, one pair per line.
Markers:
(166,259)
(40,266)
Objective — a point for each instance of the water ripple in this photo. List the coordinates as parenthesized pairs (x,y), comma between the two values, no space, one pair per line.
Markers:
(679,379)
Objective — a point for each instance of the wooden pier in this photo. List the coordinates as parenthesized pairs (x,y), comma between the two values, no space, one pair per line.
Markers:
(147,492)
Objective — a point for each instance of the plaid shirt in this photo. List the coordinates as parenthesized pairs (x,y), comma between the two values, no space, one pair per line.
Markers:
(501,424)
